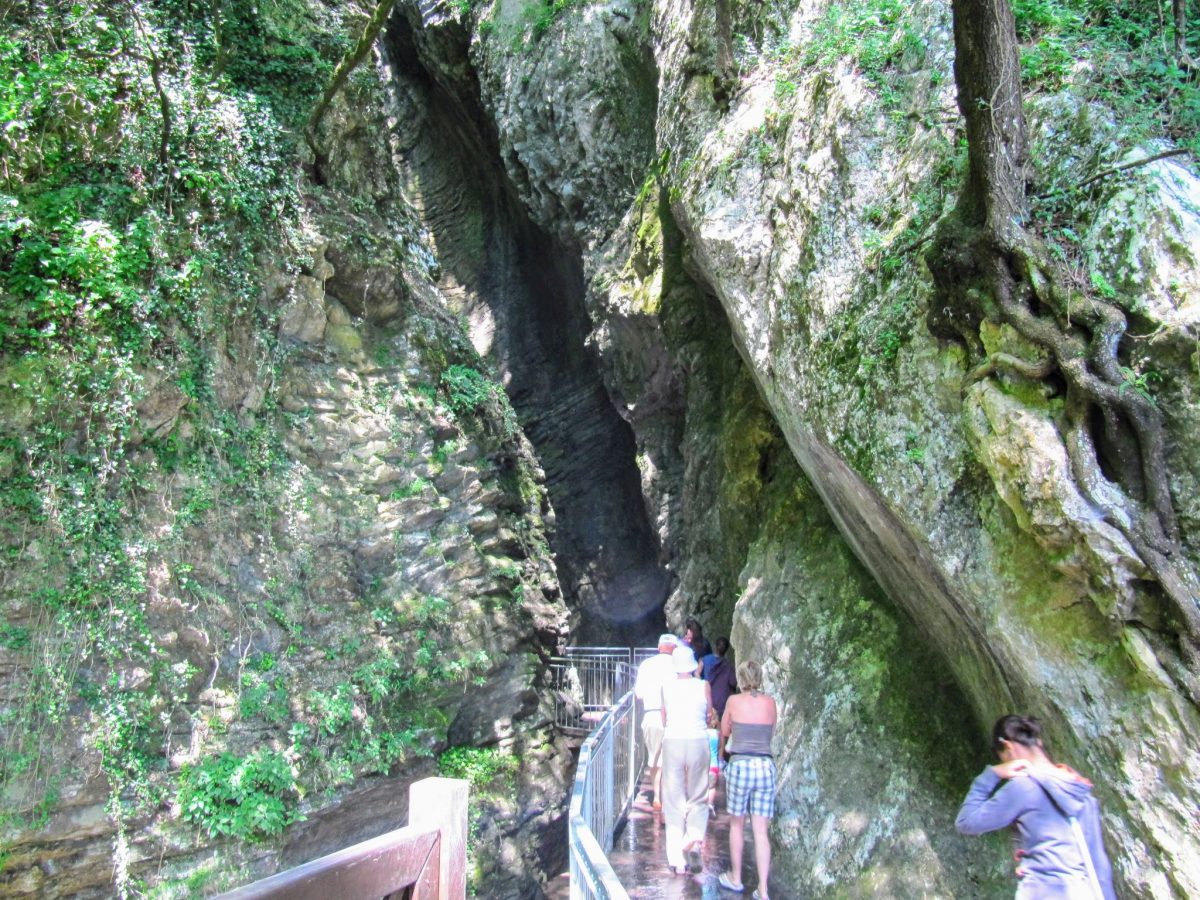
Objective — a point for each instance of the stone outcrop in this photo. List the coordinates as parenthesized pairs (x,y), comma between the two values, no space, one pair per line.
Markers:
(512,269)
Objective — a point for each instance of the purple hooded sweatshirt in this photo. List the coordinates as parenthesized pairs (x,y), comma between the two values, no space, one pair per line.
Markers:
(1037,804)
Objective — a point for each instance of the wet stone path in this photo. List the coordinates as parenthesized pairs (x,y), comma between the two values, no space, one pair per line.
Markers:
(639,856)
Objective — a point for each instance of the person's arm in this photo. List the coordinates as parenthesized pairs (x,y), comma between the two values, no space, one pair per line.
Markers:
(662,706)
(726,727)
(709,713)
(988,809)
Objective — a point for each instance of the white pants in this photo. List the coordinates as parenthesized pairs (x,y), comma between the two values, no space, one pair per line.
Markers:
(685,794)
(652,735)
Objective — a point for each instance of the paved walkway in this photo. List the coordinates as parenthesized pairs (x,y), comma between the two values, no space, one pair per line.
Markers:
(639,856)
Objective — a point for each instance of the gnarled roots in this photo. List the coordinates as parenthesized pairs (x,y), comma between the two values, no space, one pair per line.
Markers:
(1115,436)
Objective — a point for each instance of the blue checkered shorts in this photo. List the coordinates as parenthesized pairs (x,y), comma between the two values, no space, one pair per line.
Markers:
(750,782)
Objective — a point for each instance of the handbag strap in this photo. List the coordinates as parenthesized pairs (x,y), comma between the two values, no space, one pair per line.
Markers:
(1081,843)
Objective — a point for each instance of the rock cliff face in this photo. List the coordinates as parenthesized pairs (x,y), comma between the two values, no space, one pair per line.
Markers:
(520,286)
(687,239)
(343,579)
(932,548)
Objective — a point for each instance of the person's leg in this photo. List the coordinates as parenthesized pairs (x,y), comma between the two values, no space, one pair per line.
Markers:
(736,796)
(652,731)
(674,800)
(696,815)
(737,837)
(762,852)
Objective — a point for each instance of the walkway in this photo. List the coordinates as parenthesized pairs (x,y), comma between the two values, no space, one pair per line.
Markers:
(593,678)
(639,856)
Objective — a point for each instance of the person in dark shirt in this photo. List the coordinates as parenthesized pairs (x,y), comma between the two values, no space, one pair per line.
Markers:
(719,673)
(693,636)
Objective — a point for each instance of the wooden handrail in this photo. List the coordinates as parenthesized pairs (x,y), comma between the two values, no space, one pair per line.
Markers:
(429,856)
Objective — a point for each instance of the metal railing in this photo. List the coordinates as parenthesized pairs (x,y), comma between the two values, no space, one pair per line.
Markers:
(596,698)
(587,682)
(606,779)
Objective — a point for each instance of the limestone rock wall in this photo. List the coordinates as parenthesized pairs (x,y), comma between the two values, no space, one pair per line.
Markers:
(510,265)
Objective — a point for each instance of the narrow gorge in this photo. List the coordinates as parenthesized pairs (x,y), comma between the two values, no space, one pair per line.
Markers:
(585,319)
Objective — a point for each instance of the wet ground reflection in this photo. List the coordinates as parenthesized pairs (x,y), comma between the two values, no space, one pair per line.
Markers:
(639,856)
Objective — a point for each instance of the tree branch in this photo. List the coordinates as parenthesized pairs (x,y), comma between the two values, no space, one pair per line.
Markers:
(1166,154)
(348,64)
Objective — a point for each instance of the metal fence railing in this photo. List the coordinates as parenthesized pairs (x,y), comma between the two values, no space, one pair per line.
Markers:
(610,764)
(587,682)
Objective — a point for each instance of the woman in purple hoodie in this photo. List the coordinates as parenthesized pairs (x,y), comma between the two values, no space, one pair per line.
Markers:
(1060,852)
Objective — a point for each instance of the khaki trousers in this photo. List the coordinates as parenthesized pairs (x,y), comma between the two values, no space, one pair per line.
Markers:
(685,794)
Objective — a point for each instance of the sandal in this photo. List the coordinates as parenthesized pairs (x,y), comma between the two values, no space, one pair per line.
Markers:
(726,882)
(757,896)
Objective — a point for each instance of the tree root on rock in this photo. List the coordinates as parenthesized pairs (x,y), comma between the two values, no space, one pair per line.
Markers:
(1115,437)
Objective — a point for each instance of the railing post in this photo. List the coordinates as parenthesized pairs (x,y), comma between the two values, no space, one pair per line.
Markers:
(442,803)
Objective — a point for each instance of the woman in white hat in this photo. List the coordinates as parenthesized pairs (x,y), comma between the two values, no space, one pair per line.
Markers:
(686,708)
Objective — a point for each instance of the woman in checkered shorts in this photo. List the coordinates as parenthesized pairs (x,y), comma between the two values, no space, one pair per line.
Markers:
(747,727)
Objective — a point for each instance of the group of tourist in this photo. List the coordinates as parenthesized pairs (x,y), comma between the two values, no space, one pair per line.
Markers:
(696,716)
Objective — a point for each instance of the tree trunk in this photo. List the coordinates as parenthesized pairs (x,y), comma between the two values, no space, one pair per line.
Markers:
(348,64)
(988,74)
(725,41)
(1179,8)
(987,267)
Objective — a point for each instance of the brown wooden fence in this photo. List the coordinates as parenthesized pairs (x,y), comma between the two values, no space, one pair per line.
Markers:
(426,860)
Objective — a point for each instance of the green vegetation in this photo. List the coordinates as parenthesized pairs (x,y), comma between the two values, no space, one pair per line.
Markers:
(149,158)
(250,798)
(414,488)
(492,775)
(1116,52)
(1138,382)
(468,389)
(521,33)
(483,767)
(879,35)
(543,15)
(474,397)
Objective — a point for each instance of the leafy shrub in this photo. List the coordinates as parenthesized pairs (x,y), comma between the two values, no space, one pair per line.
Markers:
(481,766)
(250,797)
(471,393)
(878,34)
(14,637)
(469,390)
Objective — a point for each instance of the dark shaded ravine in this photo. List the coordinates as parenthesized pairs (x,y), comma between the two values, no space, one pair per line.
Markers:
(522,291)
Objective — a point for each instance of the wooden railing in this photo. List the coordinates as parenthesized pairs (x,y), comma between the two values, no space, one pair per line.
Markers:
(426,860)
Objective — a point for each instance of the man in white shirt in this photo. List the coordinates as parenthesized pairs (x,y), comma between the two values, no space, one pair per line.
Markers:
(651,675)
